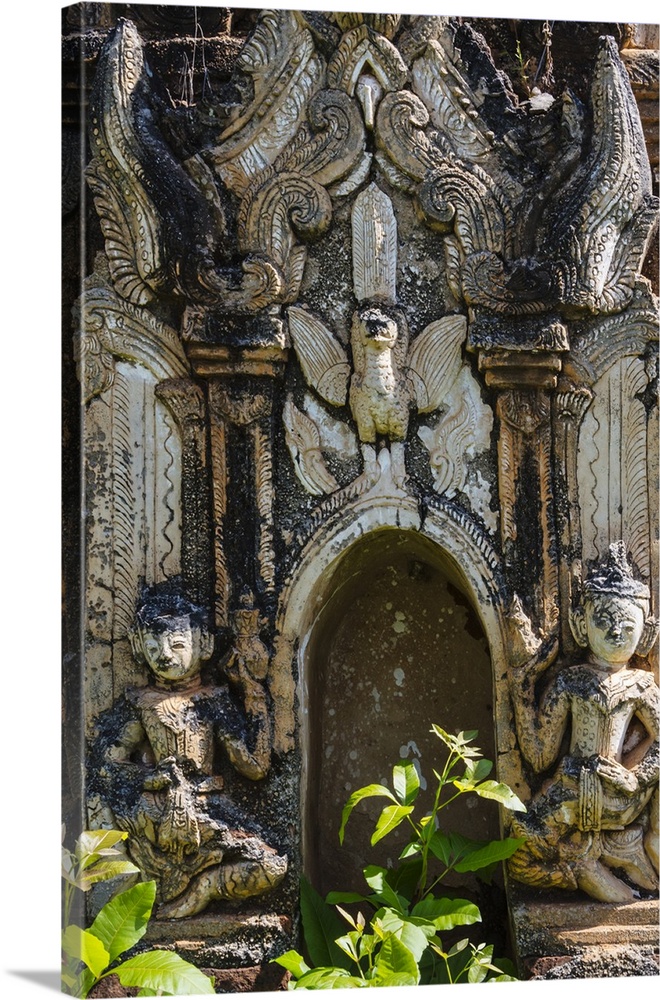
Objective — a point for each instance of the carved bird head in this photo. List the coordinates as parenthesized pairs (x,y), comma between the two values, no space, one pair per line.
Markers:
(376,328)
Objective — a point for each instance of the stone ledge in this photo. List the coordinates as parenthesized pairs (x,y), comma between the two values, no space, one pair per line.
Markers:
(226,940)
(604,961)
(555,926)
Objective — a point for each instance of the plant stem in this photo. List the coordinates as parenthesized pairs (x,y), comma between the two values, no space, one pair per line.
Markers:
(420,891)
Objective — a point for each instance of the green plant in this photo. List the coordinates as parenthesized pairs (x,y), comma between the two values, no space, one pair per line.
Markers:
(400,943)
(89,955)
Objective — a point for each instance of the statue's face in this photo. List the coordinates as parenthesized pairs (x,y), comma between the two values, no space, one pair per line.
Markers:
(175,653)
(614,627)
(378,329)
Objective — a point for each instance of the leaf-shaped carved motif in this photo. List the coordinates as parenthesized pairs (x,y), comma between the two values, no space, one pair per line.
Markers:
(453,196)
(322,358)
(280,58)
(451,104)
(161,230)
(330,145)
(362,45)
(604,219)
(400,124)
(288,205)
(129,222)
(447,445)
(304,444)
(374,231)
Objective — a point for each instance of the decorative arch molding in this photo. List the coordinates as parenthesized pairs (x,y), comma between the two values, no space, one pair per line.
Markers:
(472,559)
(437,539)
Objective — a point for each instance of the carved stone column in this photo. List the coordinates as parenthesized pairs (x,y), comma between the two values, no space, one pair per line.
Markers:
(185,400)
(240,399)
(569,407)
(523,370)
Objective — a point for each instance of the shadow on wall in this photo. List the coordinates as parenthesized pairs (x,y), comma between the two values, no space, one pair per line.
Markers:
(396,647)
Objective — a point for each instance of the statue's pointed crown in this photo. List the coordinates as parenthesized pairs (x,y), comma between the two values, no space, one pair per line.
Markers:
(614,575)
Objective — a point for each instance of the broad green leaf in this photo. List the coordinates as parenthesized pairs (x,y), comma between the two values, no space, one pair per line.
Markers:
(405,781)
(95,844)
(146,992)
(367,792)
(405,879)
(94,841)
(395,979)
(482,769)
(293,962)
(327,978)
(476,771)
(458,947)
(500,793)
(86,947)
(349,944)
(102,871)
(440,847)
(410,850)
(378,879)
(468,735)
(452,847)
(165,971)
(123,921)
(394,958)
(389,819)
(414,935)
(344,897)
(496,850)
(447,913)
(321,928)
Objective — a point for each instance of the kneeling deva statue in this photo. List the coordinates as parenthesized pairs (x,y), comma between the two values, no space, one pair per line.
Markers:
(596,815)
(158,749)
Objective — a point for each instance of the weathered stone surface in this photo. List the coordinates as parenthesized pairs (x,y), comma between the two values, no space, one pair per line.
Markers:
(557,917)
(357,283)
(229,940)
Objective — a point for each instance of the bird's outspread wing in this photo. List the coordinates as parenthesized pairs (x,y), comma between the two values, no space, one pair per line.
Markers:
(322,358)
(434,361)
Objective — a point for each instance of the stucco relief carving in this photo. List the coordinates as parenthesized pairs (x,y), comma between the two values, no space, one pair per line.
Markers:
(563,246)
(387,374)
(157,748)
(134,456)
(482,352)
(591,816)
(285,71)
(461,434)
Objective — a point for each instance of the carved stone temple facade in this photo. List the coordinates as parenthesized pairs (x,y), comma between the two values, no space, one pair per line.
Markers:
(367,360)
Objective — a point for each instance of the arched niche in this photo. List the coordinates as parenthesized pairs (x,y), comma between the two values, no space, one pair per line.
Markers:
(398,626)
